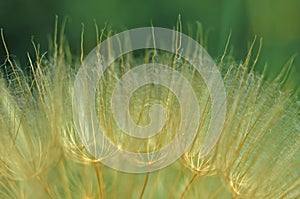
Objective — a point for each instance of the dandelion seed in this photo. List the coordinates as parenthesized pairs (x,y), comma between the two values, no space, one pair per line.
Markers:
(43,155)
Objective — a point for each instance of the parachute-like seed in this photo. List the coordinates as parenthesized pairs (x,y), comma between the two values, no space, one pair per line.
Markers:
(43,156)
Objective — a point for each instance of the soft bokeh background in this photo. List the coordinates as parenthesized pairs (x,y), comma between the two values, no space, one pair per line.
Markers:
(277,21)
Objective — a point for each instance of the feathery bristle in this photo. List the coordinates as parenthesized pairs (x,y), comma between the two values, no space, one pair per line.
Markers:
(42,154)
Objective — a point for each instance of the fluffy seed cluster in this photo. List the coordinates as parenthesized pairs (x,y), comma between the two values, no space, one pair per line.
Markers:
(42,156)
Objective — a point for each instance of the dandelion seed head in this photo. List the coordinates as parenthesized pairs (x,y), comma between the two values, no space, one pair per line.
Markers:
(42,155)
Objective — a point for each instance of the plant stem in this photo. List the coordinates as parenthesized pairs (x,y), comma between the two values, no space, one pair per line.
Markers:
(144,186)
(99,182)
(188,185)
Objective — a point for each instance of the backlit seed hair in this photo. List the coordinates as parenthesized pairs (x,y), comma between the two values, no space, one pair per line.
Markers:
(41,155)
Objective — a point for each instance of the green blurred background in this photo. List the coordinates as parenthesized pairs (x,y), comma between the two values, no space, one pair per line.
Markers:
(277,21)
